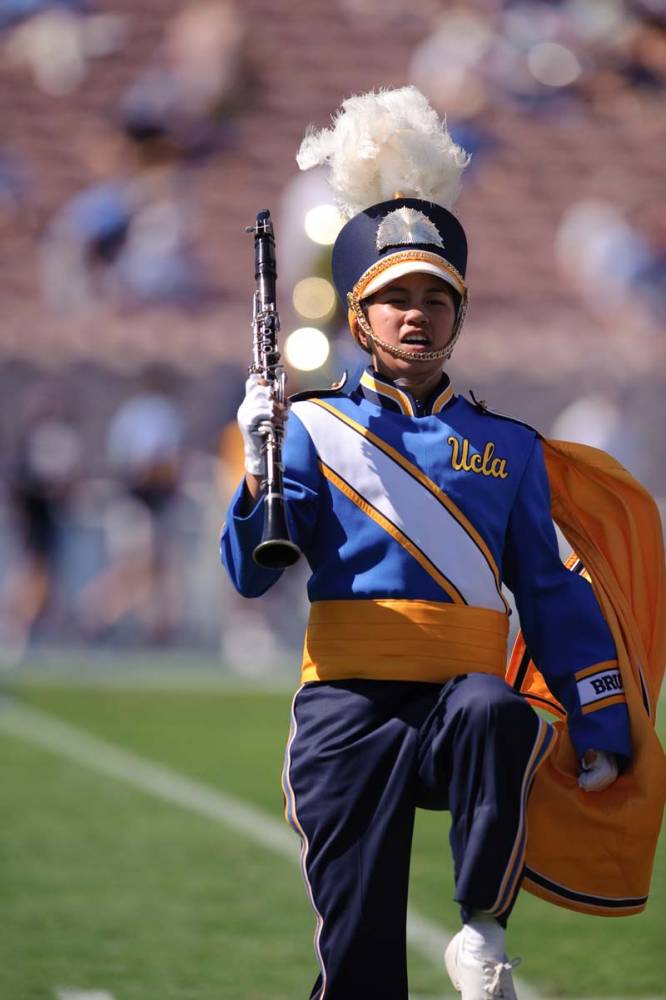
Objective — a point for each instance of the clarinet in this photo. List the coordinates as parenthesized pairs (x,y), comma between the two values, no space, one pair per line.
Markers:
(276,549)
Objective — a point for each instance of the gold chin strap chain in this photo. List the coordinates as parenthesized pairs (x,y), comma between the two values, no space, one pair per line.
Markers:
(444,353)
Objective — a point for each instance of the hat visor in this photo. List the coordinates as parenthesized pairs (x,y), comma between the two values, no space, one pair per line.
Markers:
(400,269)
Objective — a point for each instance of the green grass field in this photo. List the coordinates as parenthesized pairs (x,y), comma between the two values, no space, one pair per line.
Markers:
(107,887)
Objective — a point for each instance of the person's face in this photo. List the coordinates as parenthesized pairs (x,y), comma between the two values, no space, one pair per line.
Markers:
(416,313)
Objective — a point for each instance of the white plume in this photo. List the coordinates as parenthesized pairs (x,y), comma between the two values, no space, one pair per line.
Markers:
(382,142)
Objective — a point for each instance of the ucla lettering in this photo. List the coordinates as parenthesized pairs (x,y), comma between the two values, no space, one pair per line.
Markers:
(482,462)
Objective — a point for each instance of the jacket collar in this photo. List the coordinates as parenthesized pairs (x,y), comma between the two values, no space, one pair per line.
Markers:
(384,392)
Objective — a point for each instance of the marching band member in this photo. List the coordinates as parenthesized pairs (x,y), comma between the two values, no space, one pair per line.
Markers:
(413,506)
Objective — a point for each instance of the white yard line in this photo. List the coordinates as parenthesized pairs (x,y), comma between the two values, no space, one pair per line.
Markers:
(44,730)
(61,738)
(68,993)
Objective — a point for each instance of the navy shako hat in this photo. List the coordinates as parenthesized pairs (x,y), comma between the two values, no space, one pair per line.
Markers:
(395,173)
(397,237)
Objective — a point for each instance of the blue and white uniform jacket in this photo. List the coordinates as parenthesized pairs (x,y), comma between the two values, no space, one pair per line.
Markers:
(411,518)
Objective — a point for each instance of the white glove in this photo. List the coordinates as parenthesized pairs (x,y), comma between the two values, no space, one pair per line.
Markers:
(598,770)
(255,410)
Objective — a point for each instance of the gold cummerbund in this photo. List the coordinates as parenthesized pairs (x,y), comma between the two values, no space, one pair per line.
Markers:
(400,640)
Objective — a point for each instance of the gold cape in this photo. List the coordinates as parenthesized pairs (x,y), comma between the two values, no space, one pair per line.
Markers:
(594,851)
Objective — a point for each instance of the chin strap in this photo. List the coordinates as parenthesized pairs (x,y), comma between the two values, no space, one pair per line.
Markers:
(444,353)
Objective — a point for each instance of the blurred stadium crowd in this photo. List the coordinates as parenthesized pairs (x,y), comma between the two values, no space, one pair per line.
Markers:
(139,137)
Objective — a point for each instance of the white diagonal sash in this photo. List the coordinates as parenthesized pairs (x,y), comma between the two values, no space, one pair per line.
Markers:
(405,502)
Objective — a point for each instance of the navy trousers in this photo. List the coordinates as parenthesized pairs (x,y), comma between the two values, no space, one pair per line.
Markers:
(362,756)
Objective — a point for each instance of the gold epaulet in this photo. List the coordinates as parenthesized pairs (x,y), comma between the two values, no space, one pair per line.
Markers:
(335,390)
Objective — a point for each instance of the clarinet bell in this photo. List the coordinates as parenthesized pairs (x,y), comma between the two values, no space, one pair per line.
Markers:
(275,550)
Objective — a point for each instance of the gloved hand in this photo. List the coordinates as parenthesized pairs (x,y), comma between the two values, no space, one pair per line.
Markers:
(598,770)
(257,408)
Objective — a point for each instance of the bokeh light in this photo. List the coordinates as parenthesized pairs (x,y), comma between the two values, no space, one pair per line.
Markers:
(323,223)
(314,298)
(445,64)
(552,64)
(307,348)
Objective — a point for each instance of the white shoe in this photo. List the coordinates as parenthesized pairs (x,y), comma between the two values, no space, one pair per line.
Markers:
(478,978)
